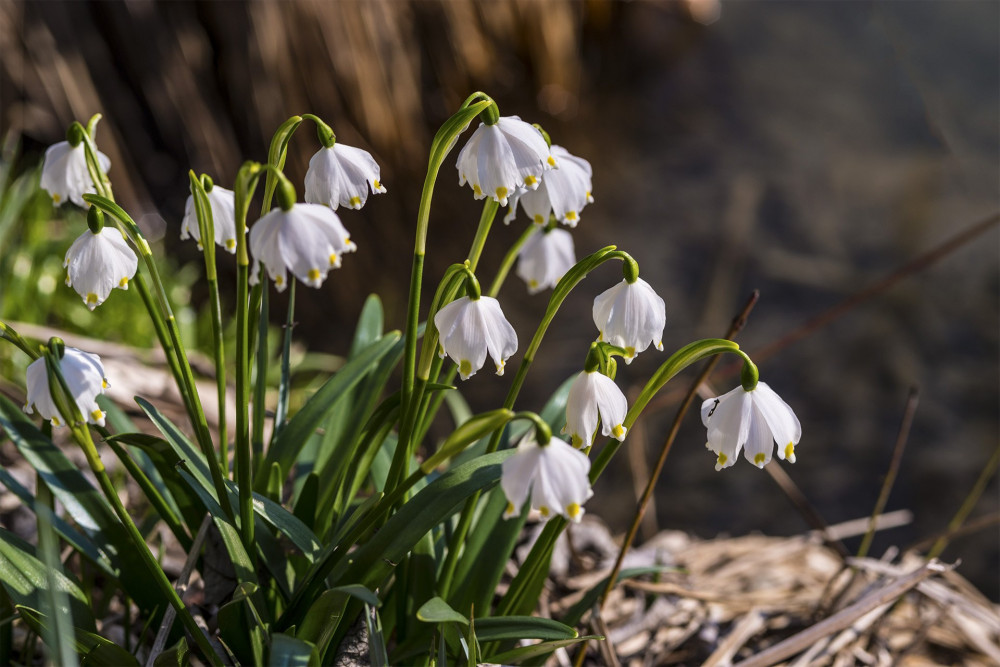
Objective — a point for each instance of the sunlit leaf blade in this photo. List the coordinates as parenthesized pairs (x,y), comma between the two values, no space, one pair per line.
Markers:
(518,655)
(97,651)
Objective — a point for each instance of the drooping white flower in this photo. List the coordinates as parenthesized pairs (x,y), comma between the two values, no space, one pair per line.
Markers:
(545,258)
(498,159)
(594,395)
(341,175)
(97,263)
(84,375)
(307,239)
(631,316)
(753,421)
(471,328)
(65,175)
(553,475)
(563,192)
(223,203)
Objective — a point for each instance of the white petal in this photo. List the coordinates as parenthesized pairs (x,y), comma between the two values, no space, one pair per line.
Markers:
(97,263)
(517,473)
(581,411)
(760,442)
(612,404)
(729,426)
(780,418)
(501,339)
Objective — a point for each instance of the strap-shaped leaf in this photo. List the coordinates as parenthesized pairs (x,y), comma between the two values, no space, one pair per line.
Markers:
(286,447)
(518,655)
(522,627)
(96,650)
(321,622)
(26,580)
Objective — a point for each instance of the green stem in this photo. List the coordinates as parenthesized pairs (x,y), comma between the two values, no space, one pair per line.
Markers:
(443,142)
(70,412)
(9,334)
(559,294)
(508,260)
(260,379)
(187,382)
(206,230)
(149,489)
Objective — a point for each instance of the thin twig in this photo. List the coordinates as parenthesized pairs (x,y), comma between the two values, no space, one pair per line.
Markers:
(738,323)
(890,475)
(833,313)
(805,508)
(970,502)
(843,619)
(181,587)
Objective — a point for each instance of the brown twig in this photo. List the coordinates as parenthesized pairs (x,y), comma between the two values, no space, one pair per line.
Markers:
(843,619)
(813,324)
(805,508)
(737,325)
(890,476)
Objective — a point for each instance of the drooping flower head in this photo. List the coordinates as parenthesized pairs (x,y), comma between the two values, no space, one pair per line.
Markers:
(222,202)
(545,258)
(751,420)
(469,329)
(500,158)
(341,175)
(84,375)
(594,395)
(553,475)
(630,315)
(64,173)
(306,239)
(99,261)
(563,192)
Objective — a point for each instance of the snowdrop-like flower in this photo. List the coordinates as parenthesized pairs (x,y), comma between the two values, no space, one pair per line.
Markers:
(498,159)
(553,475)
(545,258)
(471,328)
(84,375)
(631,316)
(65,175)
(594,394)
(97,263)
(223,203)
(307,239)
(753,421)
(563,192)
(341,175)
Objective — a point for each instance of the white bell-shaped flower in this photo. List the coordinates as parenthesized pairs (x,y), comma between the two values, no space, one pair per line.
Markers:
(341,176)
(307,239)
(594,395)
(223,204)
(631,316)
(64,173)
(498,159)
(471,328)
(563,192)
(554,476)
(98,263)
(84,375)
(545,258)
(752,421)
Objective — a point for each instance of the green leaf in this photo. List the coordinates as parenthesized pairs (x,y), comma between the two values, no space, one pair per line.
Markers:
(26,580)
(184,448)
(305,504)
(370,325)
(289,651)
(78,540)
(88,507)
(377,652)
(437,610)
(96,650)
(241,626)
(289,443)
(321,622)
(177,655)
(522,627)
(230,536)
(518,655)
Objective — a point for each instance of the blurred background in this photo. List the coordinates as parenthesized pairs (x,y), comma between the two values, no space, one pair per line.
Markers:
(808,150)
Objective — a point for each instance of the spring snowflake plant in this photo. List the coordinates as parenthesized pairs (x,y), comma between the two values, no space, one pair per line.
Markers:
(348,514)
